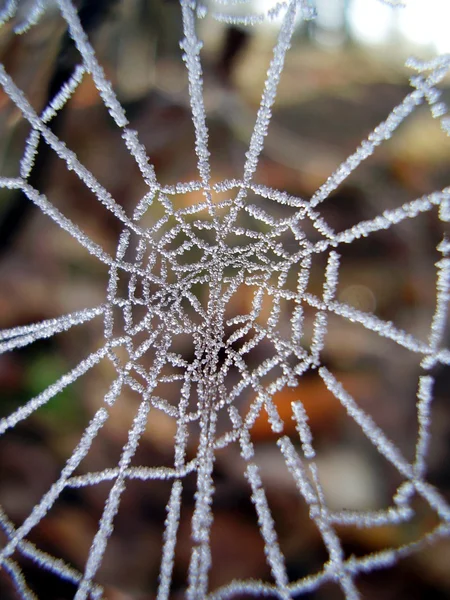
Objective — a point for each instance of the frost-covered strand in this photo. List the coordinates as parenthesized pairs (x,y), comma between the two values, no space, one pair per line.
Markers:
(40,558)
(124,240)
(388,558)
(424,398)
(32,16)
(53,565)
(63,152)
(29,155)
(331,277)
(303,276)
(138,151)
(271,194)
(383,444)
(321,225)
(381,133)
(191,47)
(234,20)
(104,87)
(22,336)
(25,411)
(115,388)
(11,183)
(139,257)
(182,187)
(390,217)
(264,398)
(255,19)
(272,550)
(444,210)
(297,325)
(170,540)
(366,564)
(320,516)
(85,49)
(444,247)
(439,322)
(438,62)
(142,206)
(247,20)
(372,431)
(434,498)
(48,209)
(182,433)
(297,470)
(202,517)
(108,315)
(372,323)
(18,580)
(141,473)
(247,447)
(390,516)
(274,316)
(427,85)
(104,531)
(258,589)
(232,2)
(72,318)
(304,431)
(321,320)
(64,94)
(318,337)
(270,90)
(174,504)
(438,109)
(48,500)
(8,11)
(111,291)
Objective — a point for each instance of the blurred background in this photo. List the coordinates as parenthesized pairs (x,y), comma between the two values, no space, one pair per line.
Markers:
(343,75)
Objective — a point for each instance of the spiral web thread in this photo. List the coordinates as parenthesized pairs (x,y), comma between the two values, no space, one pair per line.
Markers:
(262,265)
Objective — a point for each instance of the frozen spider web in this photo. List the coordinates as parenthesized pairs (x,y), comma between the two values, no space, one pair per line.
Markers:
(209,250)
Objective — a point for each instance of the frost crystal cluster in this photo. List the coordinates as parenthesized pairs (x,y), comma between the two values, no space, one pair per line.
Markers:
(177,278)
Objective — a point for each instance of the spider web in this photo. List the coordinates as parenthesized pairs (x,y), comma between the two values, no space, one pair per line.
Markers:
(177,278)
